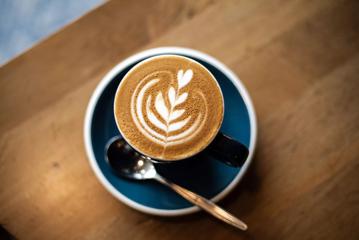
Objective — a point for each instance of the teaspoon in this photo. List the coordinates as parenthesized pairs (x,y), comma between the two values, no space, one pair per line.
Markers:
(128,163)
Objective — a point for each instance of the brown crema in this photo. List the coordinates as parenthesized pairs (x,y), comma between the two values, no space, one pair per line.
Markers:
(169,107)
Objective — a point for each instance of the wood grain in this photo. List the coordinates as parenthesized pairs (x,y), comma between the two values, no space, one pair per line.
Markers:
(299,60)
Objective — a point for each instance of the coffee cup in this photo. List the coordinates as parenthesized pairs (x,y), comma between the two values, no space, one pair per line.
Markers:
(170,108)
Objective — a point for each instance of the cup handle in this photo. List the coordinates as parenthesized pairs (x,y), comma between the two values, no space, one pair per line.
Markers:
(228,150)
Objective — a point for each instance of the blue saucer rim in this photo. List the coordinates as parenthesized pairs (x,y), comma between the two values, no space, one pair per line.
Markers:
(129,61)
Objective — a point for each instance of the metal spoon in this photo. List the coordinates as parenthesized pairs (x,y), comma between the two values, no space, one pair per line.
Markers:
(128,163)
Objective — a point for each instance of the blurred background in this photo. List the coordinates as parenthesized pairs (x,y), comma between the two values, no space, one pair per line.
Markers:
(23,23)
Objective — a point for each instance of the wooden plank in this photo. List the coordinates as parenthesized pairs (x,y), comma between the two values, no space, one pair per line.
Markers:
(305,150)
(289,47)
(299,62)
(85,49)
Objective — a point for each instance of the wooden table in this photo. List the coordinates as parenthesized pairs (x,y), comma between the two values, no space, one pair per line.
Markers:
(300,62)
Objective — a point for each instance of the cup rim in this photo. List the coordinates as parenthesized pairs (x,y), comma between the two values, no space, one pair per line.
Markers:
(142,55)
(193,153)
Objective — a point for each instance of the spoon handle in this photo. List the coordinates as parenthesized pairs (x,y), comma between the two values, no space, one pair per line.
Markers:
(204,203)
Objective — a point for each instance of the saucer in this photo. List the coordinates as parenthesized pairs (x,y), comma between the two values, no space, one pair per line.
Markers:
(210,178)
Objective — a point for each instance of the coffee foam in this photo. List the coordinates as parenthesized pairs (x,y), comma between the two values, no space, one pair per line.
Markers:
(168,107)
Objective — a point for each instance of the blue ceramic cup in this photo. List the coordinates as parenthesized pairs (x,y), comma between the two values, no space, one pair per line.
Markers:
(208,177)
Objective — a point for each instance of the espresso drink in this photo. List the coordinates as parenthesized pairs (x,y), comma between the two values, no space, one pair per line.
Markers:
(169,107)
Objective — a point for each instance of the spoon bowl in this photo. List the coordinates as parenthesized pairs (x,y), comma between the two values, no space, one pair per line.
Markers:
(126,162)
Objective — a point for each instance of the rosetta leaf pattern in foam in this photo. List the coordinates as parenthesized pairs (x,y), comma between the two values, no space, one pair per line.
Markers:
(170,114)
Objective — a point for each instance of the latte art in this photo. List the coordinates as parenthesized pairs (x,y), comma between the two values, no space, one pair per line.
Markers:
(168,107)
(170,128)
